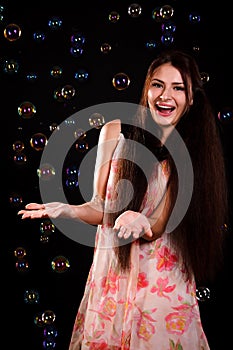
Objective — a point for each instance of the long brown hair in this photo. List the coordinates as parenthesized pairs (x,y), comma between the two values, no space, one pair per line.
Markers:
(198,239)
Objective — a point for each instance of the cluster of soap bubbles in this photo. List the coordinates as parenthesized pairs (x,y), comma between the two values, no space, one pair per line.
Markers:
(46,321)
(64,94)
(21,264)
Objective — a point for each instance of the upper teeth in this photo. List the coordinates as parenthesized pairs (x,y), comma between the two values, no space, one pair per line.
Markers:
(165,107)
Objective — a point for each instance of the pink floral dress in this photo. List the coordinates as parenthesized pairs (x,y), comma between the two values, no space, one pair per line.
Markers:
(151,307)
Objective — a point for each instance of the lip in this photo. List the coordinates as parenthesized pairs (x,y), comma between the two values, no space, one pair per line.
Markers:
(164,110)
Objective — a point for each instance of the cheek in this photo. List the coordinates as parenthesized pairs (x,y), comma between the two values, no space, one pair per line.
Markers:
(150,96)
(182,102)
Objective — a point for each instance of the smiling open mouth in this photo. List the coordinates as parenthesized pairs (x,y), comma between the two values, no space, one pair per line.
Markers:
(165,110)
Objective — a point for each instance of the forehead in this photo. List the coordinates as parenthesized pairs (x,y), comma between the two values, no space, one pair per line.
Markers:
(167,72)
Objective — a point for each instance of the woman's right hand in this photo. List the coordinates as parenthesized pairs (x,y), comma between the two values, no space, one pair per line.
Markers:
(52,210)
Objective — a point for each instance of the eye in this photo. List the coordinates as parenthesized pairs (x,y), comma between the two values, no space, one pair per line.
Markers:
(179,88)
(156,84)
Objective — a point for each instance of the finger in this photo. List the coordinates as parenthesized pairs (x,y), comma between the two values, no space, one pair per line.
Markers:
(26,215)
(121,232)
(21,212)
(127,234)
(148,232)
(34,214)
(116,227)
(38,214)
(32,206)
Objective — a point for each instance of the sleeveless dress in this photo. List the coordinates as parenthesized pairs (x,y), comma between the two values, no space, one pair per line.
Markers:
(150,307)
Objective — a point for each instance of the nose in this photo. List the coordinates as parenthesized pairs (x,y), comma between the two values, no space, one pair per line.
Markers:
(166,94)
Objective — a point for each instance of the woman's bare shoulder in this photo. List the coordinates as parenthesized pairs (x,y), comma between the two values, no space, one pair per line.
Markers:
(111,130)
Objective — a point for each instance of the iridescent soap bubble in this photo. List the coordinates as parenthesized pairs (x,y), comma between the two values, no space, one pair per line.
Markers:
(151,44)
(71,182)
(194,17)
(68,92)
(156,14)
(70,122)
(167,39)
(54,126)
(203,293)
(50,331)
(169,27)
(12,32)
(48,317)
(47,227)
(105,48)
(22,265)
(38,141)
(120,81)
(38,321)
(20,158)
(56,72)
(81,146)
(79,133)
(18,146)
(44,238)
(15,199)
(81,75)
(26,110)
(205,77)
(134,10)
(46,172)
(76,51)
(113,16)
(72,170)
(31,296)
(10,66)
(39,36)
(20,252)
(166,11)
(55,23)
(96,120)
(58,95)
(225,115)
(49,344)
(196,48)
(77,39)
(32,76)
(60,264)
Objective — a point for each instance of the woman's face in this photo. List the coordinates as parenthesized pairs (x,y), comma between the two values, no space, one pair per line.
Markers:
(166,97)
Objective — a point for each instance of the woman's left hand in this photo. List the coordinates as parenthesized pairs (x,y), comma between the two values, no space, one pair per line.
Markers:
(131,223)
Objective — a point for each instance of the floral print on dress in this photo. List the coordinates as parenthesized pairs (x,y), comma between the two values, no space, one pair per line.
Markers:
(152,306)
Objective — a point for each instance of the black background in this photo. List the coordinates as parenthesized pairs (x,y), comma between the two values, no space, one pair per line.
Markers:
(62,292)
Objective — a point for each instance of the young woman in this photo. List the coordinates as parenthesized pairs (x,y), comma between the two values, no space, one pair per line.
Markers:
(141,289)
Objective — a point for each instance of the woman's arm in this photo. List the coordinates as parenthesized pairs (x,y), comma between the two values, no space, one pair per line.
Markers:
(89,212)
(158,220)
(136,224)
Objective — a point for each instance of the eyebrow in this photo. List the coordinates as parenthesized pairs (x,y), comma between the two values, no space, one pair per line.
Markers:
(174,83)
